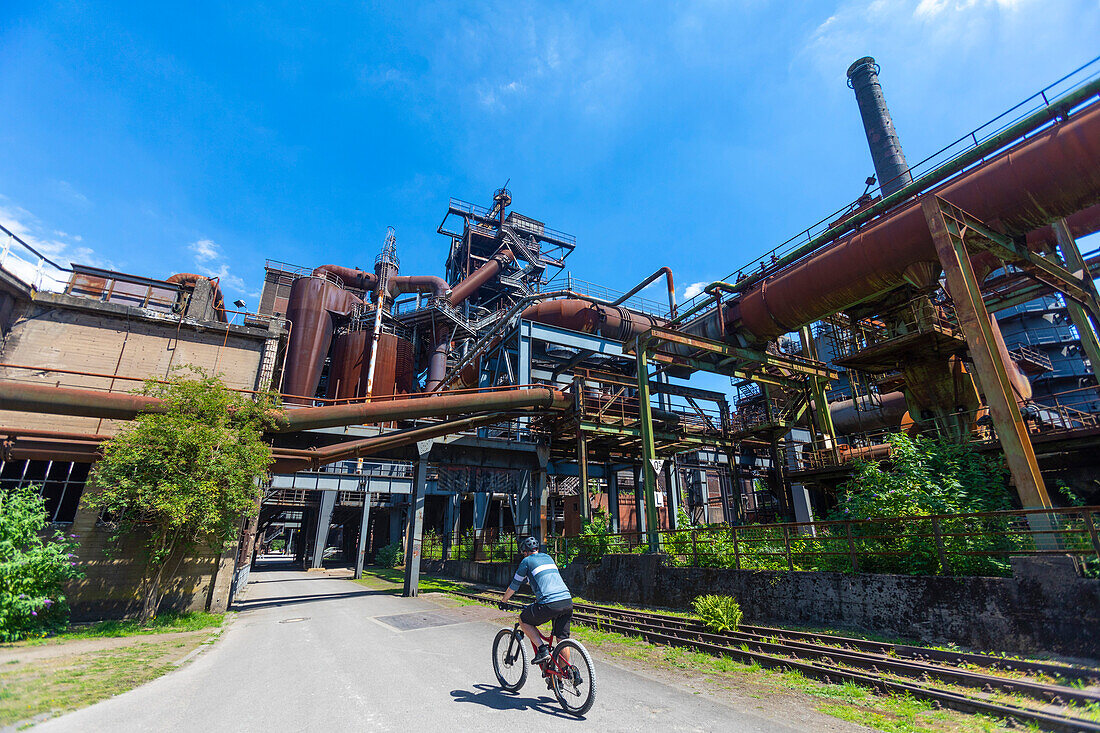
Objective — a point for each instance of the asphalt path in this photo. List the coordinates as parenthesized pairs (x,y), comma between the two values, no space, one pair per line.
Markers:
(310,652)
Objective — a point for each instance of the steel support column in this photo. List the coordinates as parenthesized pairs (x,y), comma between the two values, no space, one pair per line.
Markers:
(650,464)
(324,519)
(361,550)
(415,527)
(612,477)
(962,285)
(639,502)
(1084,319)
(584,496)
(450,522)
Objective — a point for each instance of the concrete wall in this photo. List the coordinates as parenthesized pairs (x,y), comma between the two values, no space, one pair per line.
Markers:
(79,334)
(112,583)
(1045,607)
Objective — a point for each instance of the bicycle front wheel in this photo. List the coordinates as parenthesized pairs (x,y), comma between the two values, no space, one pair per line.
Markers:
(576,692)
(510,659)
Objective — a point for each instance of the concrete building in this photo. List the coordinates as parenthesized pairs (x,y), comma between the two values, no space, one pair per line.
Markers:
(95,329)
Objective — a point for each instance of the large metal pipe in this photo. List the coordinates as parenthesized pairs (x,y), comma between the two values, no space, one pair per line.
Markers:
(23,397)
(890,166)
(352,277)
(481,276)
(303,460)
(637,288)
(1054,174)
(435,405)
(850,416)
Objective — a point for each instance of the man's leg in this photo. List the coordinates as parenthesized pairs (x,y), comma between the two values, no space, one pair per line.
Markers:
(532,634)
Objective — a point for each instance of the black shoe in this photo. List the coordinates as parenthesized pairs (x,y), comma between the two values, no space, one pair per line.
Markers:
(543,655)
(575,674)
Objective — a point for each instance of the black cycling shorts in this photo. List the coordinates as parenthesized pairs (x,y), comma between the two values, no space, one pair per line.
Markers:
(560,612)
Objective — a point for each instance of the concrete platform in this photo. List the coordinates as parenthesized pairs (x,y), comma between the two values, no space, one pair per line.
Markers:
(309,652)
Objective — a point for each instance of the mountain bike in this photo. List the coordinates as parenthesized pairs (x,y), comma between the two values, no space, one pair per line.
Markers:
(572,682)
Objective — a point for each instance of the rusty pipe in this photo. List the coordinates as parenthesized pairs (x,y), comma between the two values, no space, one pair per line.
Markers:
(399,284)
(481,276)
(436,405)
(314,458)
(637,288)
(23,397)
(1054,174)
(352,277)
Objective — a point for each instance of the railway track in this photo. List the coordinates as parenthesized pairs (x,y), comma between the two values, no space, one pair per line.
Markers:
(885,667)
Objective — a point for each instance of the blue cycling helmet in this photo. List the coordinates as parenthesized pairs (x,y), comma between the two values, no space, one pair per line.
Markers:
(529,544)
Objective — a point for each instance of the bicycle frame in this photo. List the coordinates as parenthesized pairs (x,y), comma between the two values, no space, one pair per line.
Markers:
(545,666)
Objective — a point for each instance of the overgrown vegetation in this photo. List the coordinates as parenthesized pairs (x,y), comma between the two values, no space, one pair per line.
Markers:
(719,613)
(595,540)
(35,564)
(183,479)
(389,556)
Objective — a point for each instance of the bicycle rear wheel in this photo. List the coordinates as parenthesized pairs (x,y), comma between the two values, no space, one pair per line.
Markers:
(510,659)
(576,696)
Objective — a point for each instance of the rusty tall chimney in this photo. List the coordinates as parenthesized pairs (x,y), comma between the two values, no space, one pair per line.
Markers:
(890,166)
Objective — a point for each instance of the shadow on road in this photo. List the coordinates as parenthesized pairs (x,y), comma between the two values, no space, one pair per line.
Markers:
(493,697)
(247,605)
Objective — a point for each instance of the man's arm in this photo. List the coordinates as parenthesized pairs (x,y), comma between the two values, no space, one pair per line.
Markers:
(517,580)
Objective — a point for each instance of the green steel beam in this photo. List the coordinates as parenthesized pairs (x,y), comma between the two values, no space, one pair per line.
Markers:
(949,234)
(649,450)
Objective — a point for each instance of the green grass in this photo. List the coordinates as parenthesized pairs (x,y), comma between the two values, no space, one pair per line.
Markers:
(392,580)
(62,683)
(163,624)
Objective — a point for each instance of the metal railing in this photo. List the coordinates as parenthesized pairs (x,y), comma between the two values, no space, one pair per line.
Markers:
(951,544)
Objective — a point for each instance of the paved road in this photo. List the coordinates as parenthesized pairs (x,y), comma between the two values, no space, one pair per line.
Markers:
(312,653)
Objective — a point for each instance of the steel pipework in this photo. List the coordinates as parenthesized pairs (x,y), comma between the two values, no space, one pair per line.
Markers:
(299,460)
(435,405)
(24,397)
(1054,174)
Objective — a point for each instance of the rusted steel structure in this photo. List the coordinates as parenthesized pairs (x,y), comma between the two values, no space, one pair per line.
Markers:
(880,322)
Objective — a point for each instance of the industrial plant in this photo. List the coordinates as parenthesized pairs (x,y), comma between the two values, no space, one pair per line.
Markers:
(502,395)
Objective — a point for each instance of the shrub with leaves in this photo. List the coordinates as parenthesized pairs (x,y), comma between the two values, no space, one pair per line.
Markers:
(34,567)
(595,540)
(184,478)
(719,613)
(389,556)
(927,477)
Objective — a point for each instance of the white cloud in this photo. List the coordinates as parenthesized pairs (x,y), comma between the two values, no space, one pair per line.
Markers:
(928,29)
(206,250)
(694,289)
(55,244)
(210,262)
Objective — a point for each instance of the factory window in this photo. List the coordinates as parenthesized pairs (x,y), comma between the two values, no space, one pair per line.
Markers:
(61,483)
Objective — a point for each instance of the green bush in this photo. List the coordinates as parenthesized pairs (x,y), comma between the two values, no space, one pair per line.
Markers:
(719,613)
(277,545)
(33,567)
(389,556)
(595,540)
(927,477)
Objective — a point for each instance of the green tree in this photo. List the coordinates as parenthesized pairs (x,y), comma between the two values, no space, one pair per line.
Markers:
(183,479)
(34,567)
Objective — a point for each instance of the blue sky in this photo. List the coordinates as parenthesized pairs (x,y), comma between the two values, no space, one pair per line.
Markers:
(691,134)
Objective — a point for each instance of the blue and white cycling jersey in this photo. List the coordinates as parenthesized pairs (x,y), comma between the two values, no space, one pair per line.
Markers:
(542,573)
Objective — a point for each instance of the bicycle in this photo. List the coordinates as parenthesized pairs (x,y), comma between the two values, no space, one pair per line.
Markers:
(575,693)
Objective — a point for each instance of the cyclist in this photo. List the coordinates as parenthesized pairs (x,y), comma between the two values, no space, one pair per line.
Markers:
(553,601)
